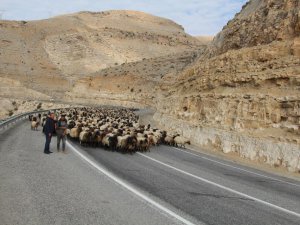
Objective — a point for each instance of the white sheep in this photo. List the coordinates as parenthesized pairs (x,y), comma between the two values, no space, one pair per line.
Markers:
(74,132)
(34,125)
(84,136)
(169,140)
(181,141)
(122,142)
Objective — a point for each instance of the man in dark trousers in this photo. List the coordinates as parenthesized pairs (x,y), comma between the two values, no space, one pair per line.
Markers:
(49,129)
(61,132)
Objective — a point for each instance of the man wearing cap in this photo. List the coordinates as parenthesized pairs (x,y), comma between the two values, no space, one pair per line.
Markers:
(61,132)
(49,129)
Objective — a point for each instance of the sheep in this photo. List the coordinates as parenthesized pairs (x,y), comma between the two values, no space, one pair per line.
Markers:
(103,127)
(169,140)
(99,138)
(94,139)
(160,136)
(122,142)
(74,132)
(152,140)
(68,131)
(113,142)
(181,141)
(105,141)
(34,125)
(142,144)
(111,128)
(110,141)
(140,134)
(131,143)
(84,137)
(71,123)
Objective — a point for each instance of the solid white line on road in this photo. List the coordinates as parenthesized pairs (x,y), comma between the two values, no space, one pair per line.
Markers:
(130,188)
(223,187)
(244,170)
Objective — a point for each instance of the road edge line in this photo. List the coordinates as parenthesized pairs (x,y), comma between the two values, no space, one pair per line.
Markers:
(224,187)
(130,188)
(235,167)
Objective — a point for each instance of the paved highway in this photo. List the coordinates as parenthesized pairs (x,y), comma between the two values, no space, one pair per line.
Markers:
(164,186)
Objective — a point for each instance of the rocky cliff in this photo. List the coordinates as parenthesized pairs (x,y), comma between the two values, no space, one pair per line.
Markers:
(243,93)
(260,22)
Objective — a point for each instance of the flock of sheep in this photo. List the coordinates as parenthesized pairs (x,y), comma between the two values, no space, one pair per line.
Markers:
(116,129)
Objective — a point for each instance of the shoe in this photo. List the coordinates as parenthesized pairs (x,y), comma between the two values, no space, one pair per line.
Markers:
(50,152)
(46,153)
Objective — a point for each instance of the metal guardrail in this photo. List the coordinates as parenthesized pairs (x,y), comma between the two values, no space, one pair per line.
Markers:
(12,120)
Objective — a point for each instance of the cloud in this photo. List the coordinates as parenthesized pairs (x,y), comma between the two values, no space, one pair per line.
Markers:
(198,17)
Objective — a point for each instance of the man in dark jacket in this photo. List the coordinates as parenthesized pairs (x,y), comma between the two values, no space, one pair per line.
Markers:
(49,129)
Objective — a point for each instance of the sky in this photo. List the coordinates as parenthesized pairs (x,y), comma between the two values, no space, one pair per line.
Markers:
(198,17)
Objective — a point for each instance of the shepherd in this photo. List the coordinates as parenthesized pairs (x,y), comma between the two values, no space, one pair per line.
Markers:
(49,129)
(61,130)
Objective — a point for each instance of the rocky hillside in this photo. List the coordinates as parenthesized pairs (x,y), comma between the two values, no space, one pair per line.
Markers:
(136,84)
(260,22)
(46,57)
(243,94)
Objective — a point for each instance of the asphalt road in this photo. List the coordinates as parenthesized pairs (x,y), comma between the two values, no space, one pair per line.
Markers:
(164,186)
(62,188)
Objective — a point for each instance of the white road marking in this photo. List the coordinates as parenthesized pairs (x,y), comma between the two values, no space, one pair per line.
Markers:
(223,187)
(244,170)
(130,188)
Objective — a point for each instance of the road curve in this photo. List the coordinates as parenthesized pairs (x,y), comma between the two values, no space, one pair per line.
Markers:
(198,188)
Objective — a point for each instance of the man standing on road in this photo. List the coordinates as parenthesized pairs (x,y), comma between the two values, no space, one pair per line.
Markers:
(49,129)
(61,132)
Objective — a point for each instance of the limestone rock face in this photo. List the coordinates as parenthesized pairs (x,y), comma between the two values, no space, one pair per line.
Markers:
(260,22)
(242,95)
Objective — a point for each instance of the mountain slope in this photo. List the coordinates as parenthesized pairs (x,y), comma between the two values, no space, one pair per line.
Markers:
(48,56)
